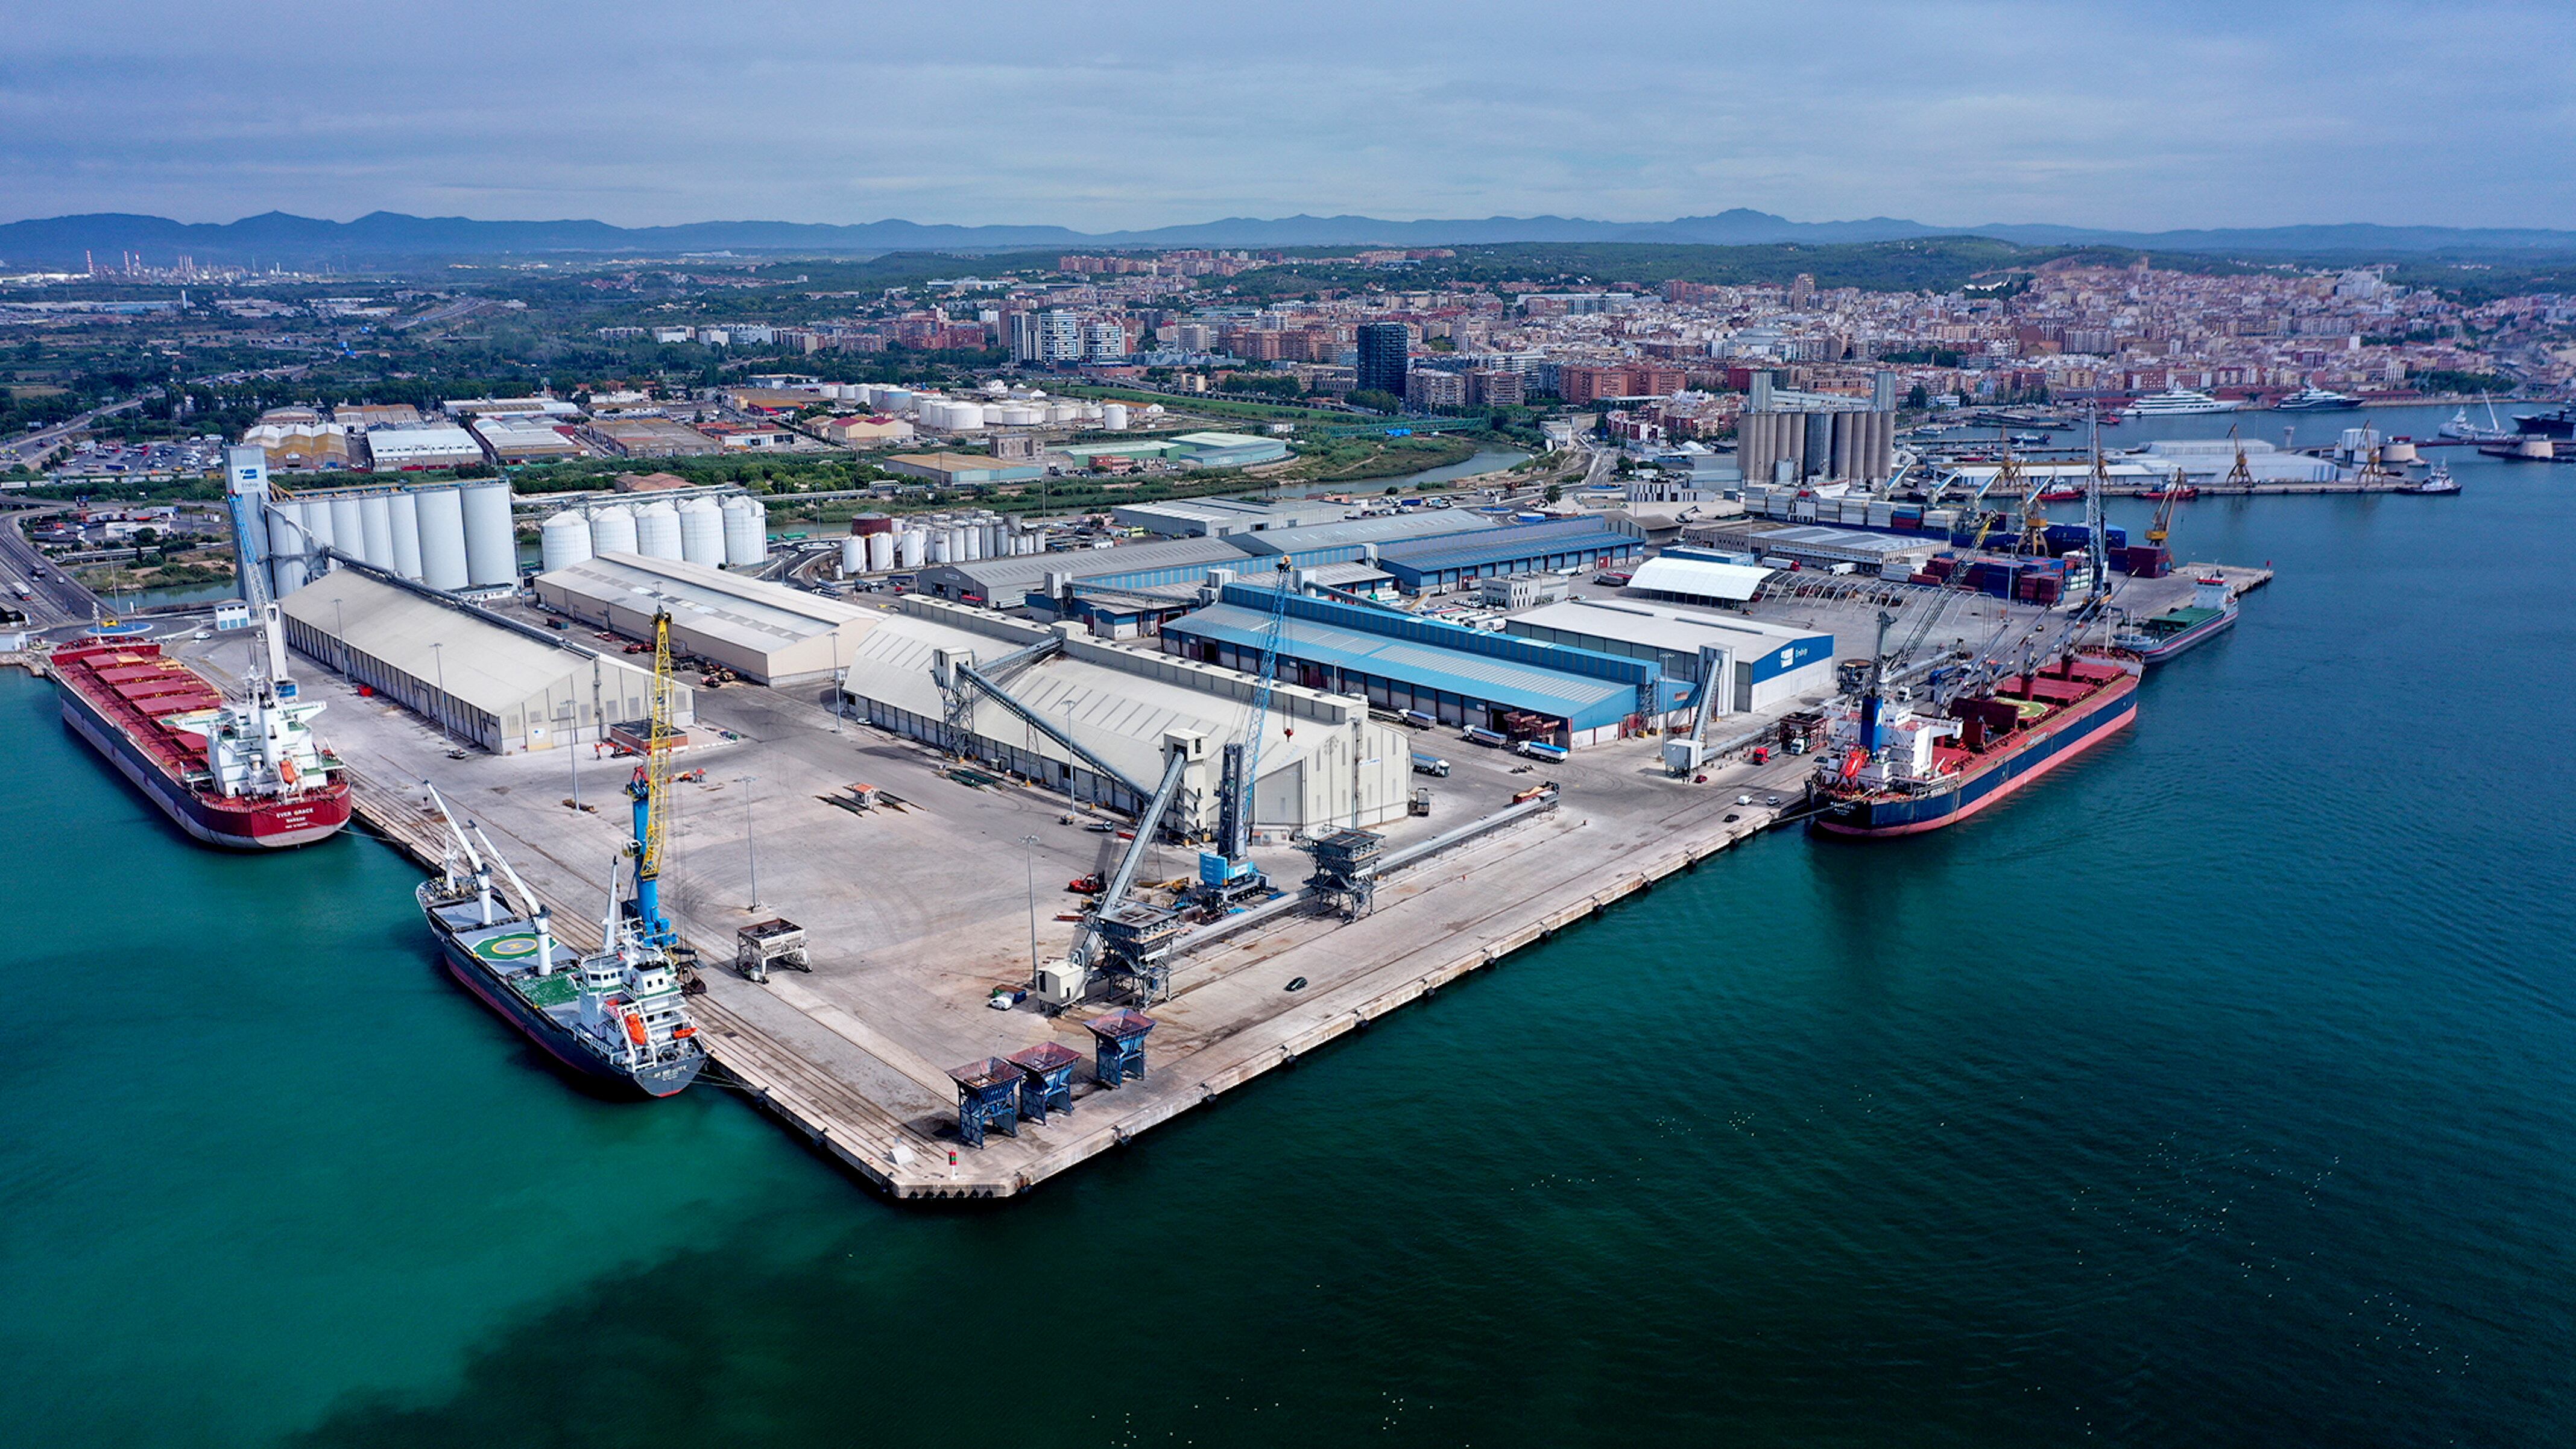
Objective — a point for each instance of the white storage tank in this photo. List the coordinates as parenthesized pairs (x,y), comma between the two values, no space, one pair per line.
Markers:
(893,399)
(406,516)
(1015,415)
(880,552)
(348,528)
(702,532)
(612,530)
(657,530)
(376,525)
(442,538)
(1113,417)
(939,548)
(746,533)
(562,541)
(286,539)
(913,549)
(491,548)
(854,555)
(1061,412)
(316,518)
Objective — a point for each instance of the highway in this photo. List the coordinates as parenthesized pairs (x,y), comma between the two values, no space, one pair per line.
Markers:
(25,451)
(58,598)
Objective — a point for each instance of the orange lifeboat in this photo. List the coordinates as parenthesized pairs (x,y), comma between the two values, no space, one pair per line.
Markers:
(635,1030)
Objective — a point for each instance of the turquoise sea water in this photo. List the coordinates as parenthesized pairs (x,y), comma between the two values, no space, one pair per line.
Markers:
(2222,1089)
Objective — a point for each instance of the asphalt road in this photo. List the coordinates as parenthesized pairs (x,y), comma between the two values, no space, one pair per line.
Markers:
(23,451)
(57,599)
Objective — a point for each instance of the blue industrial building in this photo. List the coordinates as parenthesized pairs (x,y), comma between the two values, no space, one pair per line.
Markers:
(1438,564)
(1470,678)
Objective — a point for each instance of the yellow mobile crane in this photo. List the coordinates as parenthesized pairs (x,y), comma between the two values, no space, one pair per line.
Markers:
(650,789)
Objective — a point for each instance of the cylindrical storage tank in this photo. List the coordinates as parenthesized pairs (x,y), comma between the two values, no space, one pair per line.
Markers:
(914,548)
(1839,447)
(938,552)
(1113,417)
(854,555)
(894,399)
(1021,415)
(348,527)
(973,541)
(1883,456)
(406,516)
(491,548)
(2398,451)
(442,538)
(376,529)
(612,530)
(562,541)
(997,540)
(657,530)
(1058,413)
(880,552)
(1752,431)
(1091,412)
(1818,456)
(746,533)
(867,523)
(286,541)
(315,515)
(702,532)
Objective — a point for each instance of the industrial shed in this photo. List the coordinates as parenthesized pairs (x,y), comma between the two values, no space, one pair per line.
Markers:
(1459,676)
(1349,540)
(502,685)
(779,636)
(1002,582)
(1756,664)
(1436,564)
(1119,704)
(1698,580)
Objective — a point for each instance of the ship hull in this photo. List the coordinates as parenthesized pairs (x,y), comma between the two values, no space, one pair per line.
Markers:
(554,1038)
(2081,729)
(232,825)
(2191,638)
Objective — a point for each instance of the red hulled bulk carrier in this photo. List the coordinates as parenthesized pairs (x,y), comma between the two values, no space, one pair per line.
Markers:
(246,774)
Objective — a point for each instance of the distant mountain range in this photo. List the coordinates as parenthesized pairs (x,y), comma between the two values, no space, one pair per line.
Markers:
(390,236)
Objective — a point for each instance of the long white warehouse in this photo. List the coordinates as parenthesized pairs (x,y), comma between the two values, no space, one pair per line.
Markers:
(1323,761)
(780,636)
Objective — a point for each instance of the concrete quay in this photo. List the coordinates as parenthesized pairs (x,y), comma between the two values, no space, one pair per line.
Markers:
(915,914)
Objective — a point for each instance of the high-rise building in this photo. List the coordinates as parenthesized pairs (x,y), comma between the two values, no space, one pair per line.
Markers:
(1383,346)
(1059,338)
(1104,342)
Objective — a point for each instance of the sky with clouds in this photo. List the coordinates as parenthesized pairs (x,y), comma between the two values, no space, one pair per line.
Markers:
(2138,115)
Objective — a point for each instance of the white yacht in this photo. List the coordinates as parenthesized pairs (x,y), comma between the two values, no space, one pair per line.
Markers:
(2174,402)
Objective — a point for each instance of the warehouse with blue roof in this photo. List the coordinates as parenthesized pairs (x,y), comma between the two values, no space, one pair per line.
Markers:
(1518,688)
(1436,565)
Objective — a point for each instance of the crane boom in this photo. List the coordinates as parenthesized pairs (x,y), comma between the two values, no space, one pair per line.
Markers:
(1271,630)
(650,789)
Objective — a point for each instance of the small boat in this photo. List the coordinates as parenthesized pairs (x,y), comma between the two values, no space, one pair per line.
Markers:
(2211,612)
(2437,483)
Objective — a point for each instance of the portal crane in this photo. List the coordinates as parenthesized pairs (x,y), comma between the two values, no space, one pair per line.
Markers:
(650,789)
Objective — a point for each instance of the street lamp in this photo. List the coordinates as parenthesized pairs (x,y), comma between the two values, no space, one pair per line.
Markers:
(750,853)
(567,735)
(1030,856)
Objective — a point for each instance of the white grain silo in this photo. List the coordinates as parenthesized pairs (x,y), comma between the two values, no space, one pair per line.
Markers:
(348,526)
(657,530)
(491,547)
(376,529)
(913,548)
(746,533)
(612,530)
(406,516)
(316,518)
(702,532)
(880,552)
(1113,417)
(966,544)
(562,541)
(287,544)
(442,538)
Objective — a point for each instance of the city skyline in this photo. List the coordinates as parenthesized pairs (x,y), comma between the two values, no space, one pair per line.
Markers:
(2192,116)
